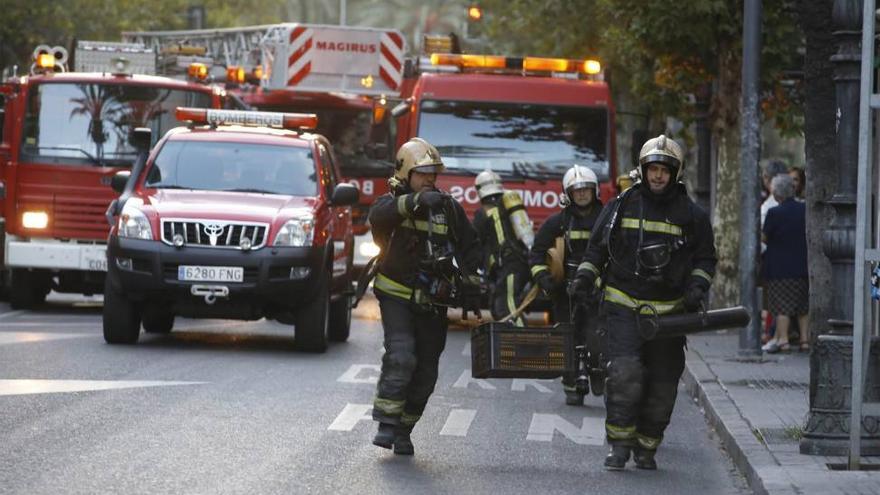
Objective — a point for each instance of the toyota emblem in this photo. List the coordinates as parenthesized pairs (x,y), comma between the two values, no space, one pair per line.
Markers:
(213,231)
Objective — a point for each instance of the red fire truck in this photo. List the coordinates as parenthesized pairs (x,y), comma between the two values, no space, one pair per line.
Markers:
(64,135)
(528,119)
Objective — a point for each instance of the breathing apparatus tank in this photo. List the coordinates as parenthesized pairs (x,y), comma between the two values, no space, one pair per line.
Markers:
(519,219)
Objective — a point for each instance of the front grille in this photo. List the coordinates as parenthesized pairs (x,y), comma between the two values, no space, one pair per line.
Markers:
(80,217)
(213,233)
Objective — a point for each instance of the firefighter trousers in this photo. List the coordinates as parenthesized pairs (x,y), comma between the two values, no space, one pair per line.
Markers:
(642,380)
(507,288)
(414,339)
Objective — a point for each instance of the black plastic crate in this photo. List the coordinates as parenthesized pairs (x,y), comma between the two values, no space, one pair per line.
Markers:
(501,350)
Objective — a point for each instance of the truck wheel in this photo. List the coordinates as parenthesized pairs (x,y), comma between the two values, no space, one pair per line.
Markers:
(340,319)
(122,319)
(27,289)
(158,322)
(312,320)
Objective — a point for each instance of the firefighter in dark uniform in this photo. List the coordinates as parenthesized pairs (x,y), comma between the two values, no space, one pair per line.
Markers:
(506,235)
(572,227)
(654,249)
(420,231)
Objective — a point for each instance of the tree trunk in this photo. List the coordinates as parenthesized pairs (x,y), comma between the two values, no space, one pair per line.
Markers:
(726,217)
(820,144)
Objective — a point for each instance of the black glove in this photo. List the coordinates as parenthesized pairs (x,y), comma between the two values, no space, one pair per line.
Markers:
(471,296)
(433,200)
(582,286)
(545,282)
(693,297)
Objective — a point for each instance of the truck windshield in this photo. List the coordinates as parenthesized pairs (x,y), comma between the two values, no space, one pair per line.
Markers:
(351,132)
(229,166)
(89,124)
(532,141)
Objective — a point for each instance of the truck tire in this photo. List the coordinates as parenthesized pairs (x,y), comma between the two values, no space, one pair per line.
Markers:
(340,319)
(27,289)
(122,318)
(158,322)
(312,320)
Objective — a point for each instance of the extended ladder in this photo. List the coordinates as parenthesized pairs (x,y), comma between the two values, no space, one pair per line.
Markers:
(866,253)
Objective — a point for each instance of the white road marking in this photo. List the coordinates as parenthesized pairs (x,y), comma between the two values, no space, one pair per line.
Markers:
(465,379)
(30,337)
(350,416)
(351,374)
(3,316)
(592,432)
(467,349)
(27,387)
(520,384)
(458,422)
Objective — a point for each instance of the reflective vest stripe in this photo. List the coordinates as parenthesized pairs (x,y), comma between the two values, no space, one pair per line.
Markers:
(392,288)
(586,265)
(511,302)
(622,298)
(577,235)
(651,226)
(495,215)
(423,226)
(401,204)
(538,269)
(696,272)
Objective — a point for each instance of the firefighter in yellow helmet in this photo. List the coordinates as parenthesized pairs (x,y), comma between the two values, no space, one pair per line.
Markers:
(428,262)
(654,250)
(571,229)
(506,235)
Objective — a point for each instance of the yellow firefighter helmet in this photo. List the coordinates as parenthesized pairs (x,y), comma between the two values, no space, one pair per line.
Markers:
(417,154)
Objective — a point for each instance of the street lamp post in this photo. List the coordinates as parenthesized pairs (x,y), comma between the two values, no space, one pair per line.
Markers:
(827,428)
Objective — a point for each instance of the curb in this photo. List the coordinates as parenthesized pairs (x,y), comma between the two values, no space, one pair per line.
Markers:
(749,454)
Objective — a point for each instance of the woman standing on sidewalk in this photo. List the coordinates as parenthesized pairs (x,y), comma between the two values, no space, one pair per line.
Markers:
(785,264)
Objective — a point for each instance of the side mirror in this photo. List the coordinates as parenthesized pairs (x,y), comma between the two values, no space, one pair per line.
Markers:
(119,180)
(141,138)
(345,195)
(402,108)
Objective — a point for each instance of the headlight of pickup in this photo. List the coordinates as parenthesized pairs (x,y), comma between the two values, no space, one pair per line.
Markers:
(133,223)
(296,232)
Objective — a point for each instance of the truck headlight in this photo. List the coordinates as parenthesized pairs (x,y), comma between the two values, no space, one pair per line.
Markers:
(133,223)
(296,232)
(35,219)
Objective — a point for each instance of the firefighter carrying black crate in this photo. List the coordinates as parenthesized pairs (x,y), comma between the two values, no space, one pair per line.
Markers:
(654,249)
(429,260)
(562,241)
(506,235)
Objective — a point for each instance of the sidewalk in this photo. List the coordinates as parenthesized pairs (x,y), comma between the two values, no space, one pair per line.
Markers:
(758,410)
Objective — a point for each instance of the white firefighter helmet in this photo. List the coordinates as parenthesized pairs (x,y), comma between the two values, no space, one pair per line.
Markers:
(579,177)
(665,151)
(488,183)
(417,154)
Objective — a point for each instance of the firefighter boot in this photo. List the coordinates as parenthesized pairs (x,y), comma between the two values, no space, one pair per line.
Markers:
(645,458)
(385,436)
(402,442)
(617,457)
(574,398)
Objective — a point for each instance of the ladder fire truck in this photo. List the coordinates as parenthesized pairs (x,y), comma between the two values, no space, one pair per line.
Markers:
(346,75)
(64,135)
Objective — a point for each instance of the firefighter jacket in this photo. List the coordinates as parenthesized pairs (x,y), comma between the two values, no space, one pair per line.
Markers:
(400,228)
(501,247)
(575,227)
(650,248)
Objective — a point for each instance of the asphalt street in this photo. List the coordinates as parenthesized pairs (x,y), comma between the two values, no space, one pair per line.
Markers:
(232,407)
